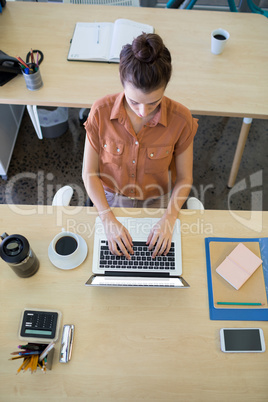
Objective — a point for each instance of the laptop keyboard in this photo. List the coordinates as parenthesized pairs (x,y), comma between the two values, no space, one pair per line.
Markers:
(140,260)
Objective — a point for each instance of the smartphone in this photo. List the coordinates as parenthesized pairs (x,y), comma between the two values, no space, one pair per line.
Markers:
(242,340)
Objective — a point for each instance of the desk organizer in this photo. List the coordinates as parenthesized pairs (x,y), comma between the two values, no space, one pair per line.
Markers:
(53,123)
(30,362)
(32,77)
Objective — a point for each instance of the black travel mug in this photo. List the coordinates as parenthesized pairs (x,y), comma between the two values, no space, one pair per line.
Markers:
(15,250)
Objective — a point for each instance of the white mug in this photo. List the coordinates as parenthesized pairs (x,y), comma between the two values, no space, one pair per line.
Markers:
(65,244)
(66,250)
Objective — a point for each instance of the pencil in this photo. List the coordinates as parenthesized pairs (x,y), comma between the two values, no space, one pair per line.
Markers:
(22,62)
(19,369)
(28,364)
(32,56)
(16,357)
(239,304)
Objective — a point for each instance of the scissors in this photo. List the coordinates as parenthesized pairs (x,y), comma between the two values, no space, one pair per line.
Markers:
(29,58)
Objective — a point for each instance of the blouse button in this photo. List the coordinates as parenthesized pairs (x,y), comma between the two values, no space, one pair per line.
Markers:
(118,150)
(152,155)
(105,145)
(136,143)
(133,161)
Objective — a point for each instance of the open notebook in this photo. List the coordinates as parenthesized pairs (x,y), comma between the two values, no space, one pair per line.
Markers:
(103,41)
(141,269)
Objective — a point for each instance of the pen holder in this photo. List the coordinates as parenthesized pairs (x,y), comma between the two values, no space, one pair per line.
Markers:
(29,361)
(32,77)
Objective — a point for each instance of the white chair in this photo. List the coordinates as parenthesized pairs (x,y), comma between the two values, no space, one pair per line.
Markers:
(63,196)
(194,203)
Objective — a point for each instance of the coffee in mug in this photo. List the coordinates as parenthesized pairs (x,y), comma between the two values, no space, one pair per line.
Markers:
(66,245)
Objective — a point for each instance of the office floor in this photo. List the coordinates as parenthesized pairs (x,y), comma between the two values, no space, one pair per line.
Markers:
(39,167)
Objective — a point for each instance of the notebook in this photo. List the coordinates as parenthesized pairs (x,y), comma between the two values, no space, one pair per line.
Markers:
(238,266)
(219,290)
(141,270)
(103,41)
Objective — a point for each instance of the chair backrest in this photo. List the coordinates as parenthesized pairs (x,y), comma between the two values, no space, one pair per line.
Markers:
(131,3)
(244,6)
(194,203)
(63,196)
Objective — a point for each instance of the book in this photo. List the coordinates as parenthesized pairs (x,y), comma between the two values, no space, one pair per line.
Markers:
(238,266)
(103,41)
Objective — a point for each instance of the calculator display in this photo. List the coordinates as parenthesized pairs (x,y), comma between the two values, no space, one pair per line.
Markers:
(37,332)
(39,324)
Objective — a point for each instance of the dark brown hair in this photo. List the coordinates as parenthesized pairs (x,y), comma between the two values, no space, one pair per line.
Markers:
(146,63)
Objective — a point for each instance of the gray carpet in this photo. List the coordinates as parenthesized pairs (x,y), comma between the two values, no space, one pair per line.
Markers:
(39,167)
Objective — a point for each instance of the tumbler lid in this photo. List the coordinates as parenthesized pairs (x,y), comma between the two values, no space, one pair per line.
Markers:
(14,248)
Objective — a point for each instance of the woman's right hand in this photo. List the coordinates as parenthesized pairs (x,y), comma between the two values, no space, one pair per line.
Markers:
(119,239)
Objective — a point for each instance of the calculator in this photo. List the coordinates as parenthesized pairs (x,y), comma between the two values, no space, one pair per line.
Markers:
(39,325)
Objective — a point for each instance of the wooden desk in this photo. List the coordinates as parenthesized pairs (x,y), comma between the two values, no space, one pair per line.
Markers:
(232,84)
(130,344)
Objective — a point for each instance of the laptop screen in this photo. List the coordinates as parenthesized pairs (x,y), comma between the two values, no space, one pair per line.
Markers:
(136,281)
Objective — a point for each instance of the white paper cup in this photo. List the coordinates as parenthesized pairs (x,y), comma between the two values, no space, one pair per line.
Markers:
(219,38)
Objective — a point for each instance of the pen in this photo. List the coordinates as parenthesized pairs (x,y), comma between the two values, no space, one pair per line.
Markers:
(239,304)
(36,352)
(37,58)
(98,34)
(25,351)
(32,346)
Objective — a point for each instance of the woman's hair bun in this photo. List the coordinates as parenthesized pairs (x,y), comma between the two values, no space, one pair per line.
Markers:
(147,47)
(146,63)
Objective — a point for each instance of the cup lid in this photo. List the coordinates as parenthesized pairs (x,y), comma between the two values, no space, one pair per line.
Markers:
(14,249)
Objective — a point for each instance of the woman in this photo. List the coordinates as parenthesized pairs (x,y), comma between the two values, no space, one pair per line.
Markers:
(132,138)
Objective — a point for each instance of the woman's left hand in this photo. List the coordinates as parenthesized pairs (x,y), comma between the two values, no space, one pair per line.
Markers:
(160,236)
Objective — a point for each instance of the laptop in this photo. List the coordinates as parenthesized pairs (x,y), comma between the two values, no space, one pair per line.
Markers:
(141,270)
